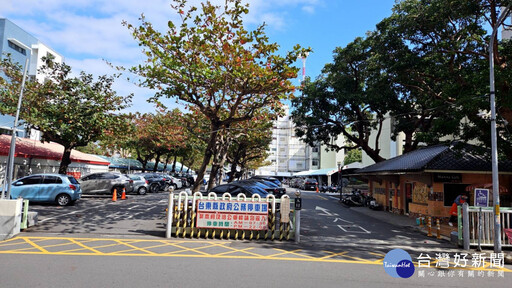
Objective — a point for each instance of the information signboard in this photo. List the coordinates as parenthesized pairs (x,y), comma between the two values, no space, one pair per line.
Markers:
(225,214)
(481,197)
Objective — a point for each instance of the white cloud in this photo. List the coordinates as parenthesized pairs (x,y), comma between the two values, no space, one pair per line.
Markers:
(87,31)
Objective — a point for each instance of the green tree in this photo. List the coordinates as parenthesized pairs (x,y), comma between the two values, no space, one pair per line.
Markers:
(352,156)
(211,62)
(348,100)
(71,111)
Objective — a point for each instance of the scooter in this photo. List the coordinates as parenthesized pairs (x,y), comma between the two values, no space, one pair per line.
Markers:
(372,203)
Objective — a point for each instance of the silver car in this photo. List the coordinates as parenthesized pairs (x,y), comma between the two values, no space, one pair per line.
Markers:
(105,183)
(140,184)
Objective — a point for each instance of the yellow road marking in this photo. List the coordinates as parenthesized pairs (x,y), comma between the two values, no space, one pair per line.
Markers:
(92,250)
(35,245)
(333,254)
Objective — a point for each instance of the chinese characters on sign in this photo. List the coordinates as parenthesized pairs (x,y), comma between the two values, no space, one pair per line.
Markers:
(222,214)
(461,261)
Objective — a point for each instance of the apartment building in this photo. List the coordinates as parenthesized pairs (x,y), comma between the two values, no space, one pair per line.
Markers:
(289,154)
(21,45)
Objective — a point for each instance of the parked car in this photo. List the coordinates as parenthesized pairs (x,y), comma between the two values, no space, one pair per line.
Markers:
(271,187)
(55,188)
(236,188)
(271,179)
(296,183)
(156,181)
(172,181)
(106,183)
(310,184)
(140,184)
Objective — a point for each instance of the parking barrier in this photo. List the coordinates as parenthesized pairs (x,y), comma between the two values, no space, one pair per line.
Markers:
(438,224)
(183,217)
(429,226)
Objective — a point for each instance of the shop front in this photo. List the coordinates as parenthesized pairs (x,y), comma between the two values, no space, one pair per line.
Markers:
(426,182)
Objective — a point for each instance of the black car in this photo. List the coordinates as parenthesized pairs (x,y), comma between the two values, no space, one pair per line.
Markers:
(272,187)
(271,179)
(236,188)
(310,184)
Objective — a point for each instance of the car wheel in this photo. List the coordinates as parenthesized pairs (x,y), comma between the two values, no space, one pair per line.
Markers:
(154,187)
(63,199)
(142,190)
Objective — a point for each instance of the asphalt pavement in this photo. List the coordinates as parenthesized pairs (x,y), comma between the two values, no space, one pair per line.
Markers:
(100,243)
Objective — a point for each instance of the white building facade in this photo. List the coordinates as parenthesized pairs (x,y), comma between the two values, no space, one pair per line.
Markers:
(21,45)
(288,154)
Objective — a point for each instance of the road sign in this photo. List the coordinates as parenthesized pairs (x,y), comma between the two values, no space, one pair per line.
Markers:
(481,197)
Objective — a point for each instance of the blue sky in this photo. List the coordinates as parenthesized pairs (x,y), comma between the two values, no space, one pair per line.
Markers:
(88,32)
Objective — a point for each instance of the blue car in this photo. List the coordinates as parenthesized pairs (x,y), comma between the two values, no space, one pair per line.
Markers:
(55,188)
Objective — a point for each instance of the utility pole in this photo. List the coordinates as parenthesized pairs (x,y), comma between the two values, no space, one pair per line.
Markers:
(494,148)
(10,162)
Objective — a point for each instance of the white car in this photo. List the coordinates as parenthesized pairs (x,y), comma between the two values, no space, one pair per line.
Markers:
(177,183)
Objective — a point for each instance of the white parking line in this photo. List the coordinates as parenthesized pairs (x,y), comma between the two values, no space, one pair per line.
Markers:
(133,207)
(70,213)
(353,231)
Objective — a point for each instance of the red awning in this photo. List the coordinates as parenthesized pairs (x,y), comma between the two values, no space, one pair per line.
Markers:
(485,186)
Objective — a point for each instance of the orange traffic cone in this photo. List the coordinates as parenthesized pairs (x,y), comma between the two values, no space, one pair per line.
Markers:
(114,196)
(317,189)
(123,196)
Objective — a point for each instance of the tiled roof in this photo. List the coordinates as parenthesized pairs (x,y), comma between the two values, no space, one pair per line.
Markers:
(27,148)
(443,157)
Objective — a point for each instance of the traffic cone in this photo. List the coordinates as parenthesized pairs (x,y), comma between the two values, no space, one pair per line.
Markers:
(114,196)
(123,196)
(317,189)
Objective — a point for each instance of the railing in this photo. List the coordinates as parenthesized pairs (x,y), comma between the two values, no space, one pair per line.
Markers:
(481,224)
(184,216)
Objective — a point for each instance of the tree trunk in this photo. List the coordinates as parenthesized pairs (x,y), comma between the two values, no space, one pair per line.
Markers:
(157,160)
(174,163)
(66,160)
(206,158)
(219,158)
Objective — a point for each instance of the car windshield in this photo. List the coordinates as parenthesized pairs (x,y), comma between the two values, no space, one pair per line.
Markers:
(256,190)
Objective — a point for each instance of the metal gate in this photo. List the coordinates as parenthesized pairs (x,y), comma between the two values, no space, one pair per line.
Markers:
(183,212)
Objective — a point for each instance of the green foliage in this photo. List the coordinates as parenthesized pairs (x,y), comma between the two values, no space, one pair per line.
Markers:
(428,63)
(353,155)
(72,111)
(213,65)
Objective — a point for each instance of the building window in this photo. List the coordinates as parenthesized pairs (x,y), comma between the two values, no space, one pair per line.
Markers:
(281,150)
(17,48)
(314,149)
(314,162)
(299,165)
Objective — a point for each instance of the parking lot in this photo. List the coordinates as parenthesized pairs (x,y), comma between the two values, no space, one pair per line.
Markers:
(99,215)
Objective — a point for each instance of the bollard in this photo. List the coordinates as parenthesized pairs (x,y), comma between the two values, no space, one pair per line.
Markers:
(438,224)
(421,221)
(170,210)
(429,226)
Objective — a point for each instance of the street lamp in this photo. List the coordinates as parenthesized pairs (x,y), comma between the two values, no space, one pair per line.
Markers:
(10,159)
(494,152)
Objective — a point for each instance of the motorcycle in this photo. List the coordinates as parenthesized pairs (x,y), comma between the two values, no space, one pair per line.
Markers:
(372,203)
